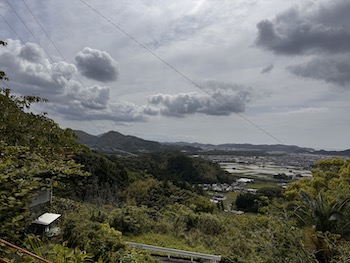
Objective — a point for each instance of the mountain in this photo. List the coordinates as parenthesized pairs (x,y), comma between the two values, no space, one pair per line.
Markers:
(116,142)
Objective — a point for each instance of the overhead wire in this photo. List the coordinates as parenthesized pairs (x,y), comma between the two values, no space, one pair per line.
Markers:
(31,52)
(50,58)
(140,44)
(183,75)
(61,55)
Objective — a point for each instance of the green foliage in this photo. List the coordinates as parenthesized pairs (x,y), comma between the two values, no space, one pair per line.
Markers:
(330,177)
(158,194)
(2,73)
(31,157)
(254,203)
(21,174)
(321,204)
(148,192)
(131,219)
(58,253)
(323,215)
(39,133)
(108,178)
(178,168)
(133,256)
(247,203)
(97,238)
(270,192)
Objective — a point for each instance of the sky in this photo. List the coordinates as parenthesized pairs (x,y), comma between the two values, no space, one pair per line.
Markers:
(207,71)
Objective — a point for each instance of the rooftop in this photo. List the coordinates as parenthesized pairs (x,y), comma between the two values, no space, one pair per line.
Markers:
(46,219)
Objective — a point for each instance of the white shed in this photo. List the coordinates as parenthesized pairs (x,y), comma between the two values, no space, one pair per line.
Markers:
(45,225)
(46,219)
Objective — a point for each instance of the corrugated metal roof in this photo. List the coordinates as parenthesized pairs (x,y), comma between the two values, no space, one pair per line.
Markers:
(46,219)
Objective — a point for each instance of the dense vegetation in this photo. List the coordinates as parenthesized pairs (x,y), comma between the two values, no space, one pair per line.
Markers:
(107,200)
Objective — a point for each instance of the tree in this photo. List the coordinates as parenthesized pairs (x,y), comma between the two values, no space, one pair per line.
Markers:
(2,73)
(22,173)
(330,177)
(39,133)
(328,221)
(31,156)
(321,205)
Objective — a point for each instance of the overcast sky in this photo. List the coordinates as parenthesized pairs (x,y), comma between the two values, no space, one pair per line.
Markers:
(208,71)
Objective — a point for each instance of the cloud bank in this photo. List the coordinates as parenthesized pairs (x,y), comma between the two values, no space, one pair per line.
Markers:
(320,31)
(225,99)
(31,72)
(302,29)
(34,73)
(330,70)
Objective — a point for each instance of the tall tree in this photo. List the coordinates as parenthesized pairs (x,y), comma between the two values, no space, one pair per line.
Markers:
(321,205)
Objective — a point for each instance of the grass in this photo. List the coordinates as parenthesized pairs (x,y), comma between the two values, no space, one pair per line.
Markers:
(259,185)
(168,241)
(231,198)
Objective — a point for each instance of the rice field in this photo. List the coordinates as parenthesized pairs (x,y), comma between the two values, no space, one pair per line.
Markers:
(266,171)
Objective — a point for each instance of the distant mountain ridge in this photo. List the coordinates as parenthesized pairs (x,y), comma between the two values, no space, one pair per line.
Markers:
(248,147)
(116,142)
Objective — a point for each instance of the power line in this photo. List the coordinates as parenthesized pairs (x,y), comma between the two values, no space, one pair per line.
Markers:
(39,62)
(61,55)
(179,72)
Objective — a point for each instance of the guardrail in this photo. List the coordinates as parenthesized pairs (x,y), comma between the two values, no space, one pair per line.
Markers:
(169,251)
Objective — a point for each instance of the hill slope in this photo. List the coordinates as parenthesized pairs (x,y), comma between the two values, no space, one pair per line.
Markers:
(113,141)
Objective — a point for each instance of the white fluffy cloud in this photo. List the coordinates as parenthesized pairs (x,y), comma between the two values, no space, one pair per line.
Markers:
(224,99)
(31,72)
(97,65)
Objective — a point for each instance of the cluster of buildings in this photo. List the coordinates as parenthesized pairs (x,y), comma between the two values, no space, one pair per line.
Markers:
(238,186)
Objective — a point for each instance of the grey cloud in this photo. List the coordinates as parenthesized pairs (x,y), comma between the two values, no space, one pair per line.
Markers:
(30,72)
(302,30)
(118,111)
(267,69)
(97,65)
(335,71)
(95,97)
(225,99)
(33,53)
(150,110)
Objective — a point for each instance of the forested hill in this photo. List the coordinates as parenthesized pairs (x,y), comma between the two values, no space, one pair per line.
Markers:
(113,141)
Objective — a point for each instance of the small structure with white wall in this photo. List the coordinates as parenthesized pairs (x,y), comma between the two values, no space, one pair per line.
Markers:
(45,225)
